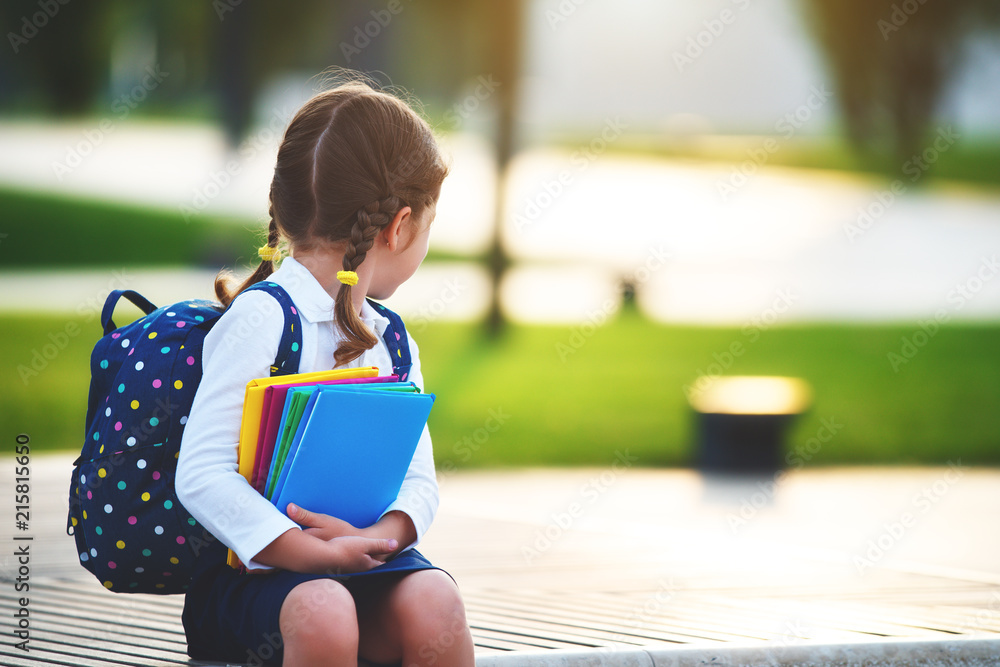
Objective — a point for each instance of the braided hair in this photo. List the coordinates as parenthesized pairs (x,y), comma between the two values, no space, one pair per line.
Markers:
(371,219)
(223,282)
(350,159)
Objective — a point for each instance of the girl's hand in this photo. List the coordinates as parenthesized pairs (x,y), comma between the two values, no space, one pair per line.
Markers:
(299,552)
(359,554)
(323,526)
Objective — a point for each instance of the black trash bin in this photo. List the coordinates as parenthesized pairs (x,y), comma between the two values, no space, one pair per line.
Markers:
(742,422)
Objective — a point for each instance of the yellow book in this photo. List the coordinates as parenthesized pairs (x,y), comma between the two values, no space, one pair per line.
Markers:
(253,404)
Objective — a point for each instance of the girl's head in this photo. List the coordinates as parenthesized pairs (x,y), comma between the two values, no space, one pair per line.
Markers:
(350,160)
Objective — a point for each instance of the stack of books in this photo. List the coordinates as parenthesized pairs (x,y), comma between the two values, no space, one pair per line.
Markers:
(337,442)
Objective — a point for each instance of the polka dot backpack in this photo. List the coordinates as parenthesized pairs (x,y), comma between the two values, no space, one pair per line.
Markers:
(130,530)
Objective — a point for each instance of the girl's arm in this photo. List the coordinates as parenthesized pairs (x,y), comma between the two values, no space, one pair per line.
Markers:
(242,346)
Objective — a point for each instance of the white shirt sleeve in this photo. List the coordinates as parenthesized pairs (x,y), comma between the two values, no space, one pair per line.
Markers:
(240,347)
(418,496)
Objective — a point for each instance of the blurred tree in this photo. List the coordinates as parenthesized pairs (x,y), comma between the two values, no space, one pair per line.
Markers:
(254,42)
(220,55)
(891,60)
(396,43)
(59,50)
(503,58)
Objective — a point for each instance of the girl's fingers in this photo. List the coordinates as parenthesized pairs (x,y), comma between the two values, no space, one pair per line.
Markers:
(301,516)
(381,546)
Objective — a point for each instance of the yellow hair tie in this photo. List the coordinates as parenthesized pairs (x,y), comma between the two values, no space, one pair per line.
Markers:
(347,277)
(269,254)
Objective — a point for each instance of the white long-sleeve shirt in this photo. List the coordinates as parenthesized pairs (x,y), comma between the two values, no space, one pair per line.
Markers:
(242,346)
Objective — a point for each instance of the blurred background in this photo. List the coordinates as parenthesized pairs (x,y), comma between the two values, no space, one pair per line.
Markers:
(643,193)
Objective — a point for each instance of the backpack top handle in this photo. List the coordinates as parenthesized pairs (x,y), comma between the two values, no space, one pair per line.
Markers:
(109,307)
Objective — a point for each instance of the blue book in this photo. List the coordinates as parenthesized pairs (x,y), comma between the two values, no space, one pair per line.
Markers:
(307,397)
(353,453)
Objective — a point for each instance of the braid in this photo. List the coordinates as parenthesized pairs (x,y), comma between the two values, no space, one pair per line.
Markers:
(224,281)
(371,219)
(273,235)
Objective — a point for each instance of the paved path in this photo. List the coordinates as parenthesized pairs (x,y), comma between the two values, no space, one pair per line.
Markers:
(630,561)
(786,244)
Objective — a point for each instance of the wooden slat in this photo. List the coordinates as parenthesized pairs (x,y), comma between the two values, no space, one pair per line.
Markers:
(601,586)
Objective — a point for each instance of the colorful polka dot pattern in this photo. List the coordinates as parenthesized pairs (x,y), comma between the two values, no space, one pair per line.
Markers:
(396,341)
(130,530)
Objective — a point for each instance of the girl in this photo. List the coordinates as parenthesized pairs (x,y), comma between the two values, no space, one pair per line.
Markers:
(354,192)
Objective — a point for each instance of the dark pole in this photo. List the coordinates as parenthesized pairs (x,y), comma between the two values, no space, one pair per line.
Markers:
(505,25)
(235,88)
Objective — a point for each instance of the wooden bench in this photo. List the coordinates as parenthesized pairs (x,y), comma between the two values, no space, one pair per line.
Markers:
(76,625)
(614,588)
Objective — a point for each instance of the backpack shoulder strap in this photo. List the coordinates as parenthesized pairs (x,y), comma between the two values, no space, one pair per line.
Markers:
(290,346)
(396,340)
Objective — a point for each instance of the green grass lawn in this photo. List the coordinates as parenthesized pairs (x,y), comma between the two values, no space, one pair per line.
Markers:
(571,396)
(45,230)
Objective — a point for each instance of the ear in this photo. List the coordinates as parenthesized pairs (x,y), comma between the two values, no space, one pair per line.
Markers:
(392,233)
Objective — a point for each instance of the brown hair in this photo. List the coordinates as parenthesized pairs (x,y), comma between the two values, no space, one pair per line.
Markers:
(350,159)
